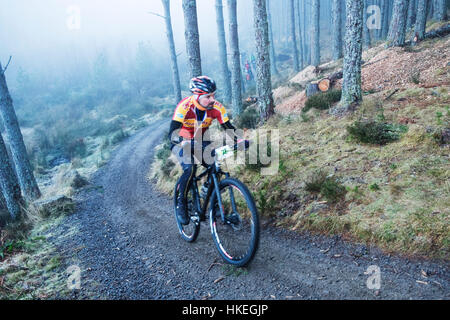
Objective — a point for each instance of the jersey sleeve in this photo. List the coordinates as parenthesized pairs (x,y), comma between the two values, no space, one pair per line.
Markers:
(221,114)
(181,111)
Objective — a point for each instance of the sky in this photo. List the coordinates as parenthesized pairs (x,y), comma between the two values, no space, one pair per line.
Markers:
(45,34)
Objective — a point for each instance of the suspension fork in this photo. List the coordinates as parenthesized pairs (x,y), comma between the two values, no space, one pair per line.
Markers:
(230,190)
(219,197)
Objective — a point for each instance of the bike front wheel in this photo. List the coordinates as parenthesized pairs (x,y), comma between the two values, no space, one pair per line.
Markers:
(236,234)
(190,231)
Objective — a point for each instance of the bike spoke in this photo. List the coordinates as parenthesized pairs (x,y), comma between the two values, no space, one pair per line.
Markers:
(234,235)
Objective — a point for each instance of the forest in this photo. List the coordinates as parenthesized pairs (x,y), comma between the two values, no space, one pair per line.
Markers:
(357,89)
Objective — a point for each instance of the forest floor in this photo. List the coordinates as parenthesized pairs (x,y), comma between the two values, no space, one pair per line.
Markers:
(124,240)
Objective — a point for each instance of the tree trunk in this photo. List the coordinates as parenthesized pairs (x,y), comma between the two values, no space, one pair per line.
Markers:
(337,26)
(440,10)
(397,29)
(306,41)
(366,28)
(19,152)
(315,33)
(192,37)
(173,54)
(223,52)
(273,62)
(421,20)
(386,17)
(293,35)
(263,77)
(351,86)
(411,14)
(300,39)
(9,184)
(236,76)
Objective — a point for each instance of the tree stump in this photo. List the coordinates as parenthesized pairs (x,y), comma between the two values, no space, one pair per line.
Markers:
(324,85)
(311,89)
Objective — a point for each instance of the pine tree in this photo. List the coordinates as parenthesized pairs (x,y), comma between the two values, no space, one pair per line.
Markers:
(192,37)
(293,35)
(173,55)
(263,76)
(19,152)
(337,26)
(440,10)
(300,37)
(9,184)
(366,37)
(273,61)
(397,29)
(223,52)
(421,19)
(236,76)
(351,85)
(315,37)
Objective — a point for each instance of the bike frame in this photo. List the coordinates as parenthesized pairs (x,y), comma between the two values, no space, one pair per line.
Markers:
(214,172)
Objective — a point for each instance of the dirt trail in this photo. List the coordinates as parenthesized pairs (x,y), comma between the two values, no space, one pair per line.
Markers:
(128,247)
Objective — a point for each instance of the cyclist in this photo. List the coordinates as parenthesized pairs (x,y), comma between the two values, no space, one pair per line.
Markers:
(193,115)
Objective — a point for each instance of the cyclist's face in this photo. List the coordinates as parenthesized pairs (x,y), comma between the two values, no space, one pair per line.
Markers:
(207,100)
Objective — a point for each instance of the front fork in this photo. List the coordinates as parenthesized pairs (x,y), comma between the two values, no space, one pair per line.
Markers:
(219,197)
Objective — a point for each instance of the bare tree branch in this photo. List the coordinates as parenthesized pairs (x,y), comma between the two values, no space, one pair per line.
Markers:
(4,70)
(157,14)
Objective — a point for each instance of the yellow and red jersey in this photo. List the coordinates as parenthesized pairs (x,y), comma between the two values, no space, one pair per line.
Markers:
(185,113)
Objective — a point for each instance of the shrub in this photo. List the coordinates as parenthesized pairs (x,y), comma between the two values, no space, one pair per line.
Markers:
(315,181)
(249,119)
(328,187)
(76,148)
(415,77)
(167,166)
(376,132)
(118,137)
(322,101)
(332,190)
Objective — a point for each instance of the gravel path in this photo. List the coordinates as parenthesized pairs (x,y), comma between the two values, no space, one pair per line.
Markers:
(128,247)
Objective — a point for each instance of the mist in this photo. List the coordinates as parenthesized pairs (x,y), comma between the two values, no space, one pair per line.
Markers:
(62,38)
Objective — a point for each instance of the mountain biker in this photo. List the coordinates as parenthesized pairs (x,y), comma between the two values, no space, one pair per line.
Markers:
(192,114)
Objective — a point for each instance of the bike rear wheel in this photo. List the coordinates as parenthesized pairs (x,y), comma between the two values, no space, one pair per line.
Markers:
(237,237)
(190,231)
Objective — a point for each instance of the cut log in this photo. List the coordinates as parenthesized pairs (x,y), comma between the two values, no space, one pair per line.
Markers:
(435,84)
(324,85)
(311,89)
(336,76)
(441,32)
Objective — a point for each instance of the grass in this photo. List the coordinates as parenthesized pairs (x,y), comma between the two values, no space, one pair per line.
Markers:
(396,194)
(395,180)
(31,267)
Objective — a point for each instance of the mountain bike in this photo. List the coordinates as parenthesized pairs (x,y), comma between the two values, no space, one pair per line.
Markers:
(230,208)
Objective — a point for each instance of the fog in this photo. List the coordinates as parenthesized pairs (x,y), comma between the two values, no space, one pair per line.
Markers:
(48,38)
